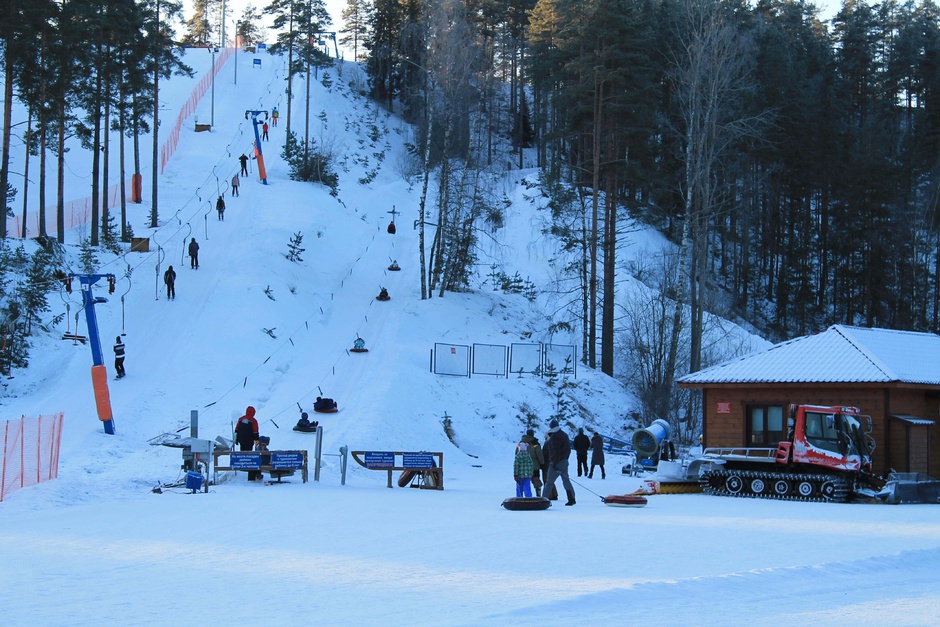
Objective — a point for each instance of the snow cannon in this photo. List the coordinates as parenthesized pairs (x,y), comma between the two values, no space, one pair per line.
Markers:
(648,443)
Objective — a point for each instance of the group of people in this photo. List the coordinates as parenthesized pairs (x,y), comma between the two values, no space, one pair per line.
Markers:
(169,277)
(534,461)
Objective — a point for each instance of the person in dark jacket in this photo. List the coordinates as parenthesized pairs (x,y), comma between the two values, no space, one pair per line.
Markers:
(119,357)
(243,160)
(169,277)
(558,446)
(193,254)
(582,444)
(597,455)
(220,207)
(538,459)
(246,434)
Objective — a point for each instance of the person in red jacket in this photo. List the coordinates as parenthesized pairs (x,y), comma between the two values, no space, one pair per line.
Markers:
(246,434)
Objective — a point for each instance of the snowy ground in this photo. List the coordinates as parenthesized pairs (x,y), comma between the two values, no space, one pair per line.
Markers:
(97,546)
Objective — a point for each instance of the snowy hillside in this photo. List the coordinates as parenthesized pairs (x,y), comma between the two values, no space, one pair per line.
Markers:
(249,327)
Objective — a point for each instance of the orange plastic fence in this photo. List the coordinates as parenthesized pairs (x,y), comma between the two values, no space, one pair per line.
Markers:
(172,140)
(30,453)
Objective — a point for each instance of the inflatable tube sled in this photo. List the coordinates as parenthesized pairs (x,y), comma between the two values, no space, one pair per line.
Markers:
(624,500)
(306,429)
(331,410)
(406,478)
(526,504)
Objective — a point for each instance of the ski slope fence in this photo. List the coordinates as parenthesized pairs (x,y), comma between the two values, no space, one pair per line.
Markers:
(189,108)
(30,452)
(77,212)
(461,360)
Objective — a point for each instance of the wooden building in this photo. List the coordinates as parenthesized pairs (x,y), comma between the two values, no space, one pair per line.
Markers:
(892,376)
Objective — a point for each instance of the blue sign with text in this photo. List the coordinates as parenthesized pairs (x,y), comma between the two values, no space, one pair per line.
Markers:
(293,459)
(245,461)
(379,459)
(417,460)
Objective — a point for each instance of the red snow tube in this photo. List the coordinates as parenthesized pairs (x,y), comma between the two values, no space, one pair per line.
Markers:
(624,500)
(406,478)
(526,504)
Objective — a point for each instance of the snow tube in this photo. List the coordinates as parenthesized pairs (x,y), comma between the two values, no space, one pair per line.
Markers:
(358,350)
(331,410)
(383,299)
(310,429)
(406,478)
(526,504)
(624,500)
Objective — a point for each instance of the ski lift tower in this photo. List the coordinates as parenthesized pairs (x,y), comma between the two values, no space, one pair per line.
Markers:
(99,373)
(262,173)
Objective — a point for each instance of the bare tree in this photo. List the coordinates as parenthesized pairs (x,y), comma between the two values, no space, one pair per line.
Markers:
(710,77)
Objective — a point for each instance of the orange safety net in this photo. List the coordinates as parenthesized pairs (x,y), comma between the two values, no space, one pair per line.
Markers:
(30,452)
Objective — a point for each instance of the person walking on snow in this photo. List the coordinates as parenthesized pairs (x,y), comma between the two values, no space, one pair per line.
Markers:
(582,445)
(244,161)
(119,357)
(597,455)
(538,460)
(220,207)
(558,446)
(235,184)
(193,254)
(522,471)
(264,131)
(169,277)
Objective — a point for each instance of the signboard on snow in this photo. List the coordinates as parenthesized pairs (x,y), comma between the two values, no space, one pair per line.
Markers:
(256,62)
(294,459)
(262,46)
(379,459)
(417,460)
(245,461)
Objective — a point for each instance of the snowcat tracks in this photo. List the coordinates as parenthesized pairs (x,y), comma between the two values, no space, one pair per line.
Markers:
(818,488)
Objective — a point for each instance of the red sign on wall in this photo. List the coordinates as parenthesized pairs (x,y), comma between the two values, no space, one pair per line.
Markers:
(723,408)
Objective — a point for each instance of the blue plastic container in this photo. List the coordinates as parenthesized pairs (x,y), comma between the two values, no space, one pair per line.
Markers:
(193,481)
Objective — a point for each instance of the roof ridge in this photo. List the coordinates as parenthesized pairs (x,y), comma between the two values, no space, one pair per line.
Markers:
(845,332)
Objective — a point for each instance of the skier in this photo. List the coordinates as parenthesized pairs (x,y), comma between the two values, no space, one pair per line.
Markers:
(220,207)
(235,184)
(169,277)
(119,357)
(582,444)
(274,116)
(244,161)
(264,131)
(193,254)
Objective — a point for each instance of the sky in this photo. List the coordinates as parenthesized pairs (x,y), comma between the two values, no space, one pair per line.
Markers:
(98,546)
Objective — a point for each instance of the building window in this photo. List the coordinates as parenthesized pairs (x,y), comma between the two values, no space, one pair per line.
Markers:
(765,425)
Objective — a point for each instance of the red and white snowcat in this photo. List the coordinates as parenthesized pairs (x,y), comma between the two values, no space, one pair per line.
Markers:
(826,457)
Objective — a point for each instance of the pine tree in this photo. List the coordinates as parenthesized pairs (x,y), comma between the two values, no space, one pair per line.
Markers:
(293,247)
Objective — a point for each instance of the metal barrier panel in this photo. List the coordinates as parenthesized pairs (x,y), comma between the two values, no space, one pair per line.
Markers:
(525,358)
(563,357)
(452,359)
(491,359)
